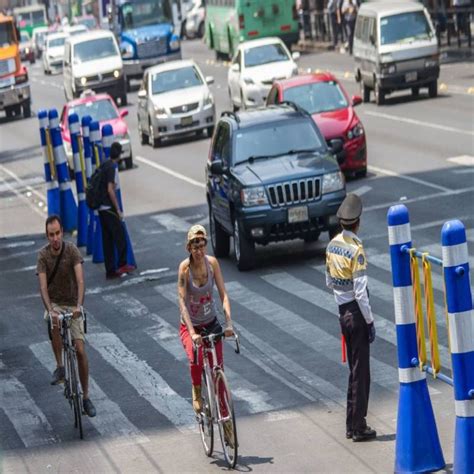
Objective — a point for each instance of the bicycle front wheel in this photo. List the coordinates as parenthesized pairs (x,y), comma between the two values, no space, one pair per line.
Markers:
(76,394)
(226,419)
(206,427)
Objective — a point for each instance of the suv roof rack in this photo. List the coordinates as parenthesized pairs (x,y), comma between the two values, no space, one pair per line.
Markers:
(228,113)
(294,106)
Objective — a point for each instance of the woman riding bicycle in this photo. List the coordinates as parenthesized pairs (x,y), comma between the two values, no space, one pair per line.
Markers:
(196,277)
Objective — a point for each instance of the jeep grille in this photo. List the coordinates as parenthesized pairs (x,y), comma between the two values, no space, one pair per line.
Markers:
(294,192)
(153,48)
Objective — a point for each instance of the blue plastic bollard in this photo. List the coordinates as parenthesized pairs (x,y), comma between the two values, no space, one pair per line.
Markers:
(461,335)
(52,187)
(86,145)
(80,178)
(417,444)
(67,202)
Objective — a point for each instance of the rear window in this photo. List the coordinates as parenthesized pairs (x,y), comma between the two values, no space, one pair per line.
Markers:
(94,49)
(404,28)
(317,97)
(276,138)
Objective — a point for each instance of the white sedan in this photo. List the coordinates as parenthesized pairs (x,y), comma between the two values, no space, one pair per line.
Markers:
(256,64)
(53,54)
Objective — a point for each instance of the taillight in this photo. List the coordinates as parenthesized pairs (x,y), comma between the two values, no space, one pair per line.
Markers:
(241,22)
(295,13)
(21,78)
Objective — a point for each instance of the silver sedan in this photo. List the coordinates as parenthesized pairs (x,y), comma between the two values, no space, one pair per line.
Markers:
(174,99)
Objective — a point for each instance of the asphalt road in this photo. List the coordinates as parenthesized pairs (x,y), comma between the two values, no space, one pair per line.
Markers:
(288,383)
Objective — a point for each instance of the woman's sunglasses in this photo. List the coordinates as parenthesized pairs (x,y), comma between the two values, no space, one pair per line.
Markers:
(198,244)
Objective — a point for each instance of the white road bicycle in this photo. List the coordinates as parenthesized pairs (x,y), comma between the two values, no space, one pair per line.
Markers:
(217,401)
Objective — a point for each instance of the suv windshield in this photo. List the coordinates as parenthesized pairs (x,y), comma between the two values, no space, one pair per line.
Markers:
(317,97)
(55,42)
(276,139)
(99,110)
(176,79)
(404,28)
(269,53)
(94,49)
(138,13)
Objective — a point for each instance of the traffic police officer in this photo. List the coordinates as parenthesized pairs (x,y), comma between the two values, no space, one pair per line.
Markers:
(346,267)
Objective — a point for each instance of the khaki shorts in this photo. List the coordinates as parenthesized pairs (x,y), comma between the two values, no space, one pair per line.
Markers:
(77,325)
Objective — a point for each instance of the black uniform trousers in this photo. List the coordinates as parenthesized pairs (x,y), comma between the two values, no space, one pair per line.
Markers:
(356,333)
(113,236)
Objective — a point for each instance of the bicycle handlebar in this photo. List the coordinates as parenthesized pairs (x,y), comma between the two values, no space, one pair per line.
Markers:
(68,315)
(211,338)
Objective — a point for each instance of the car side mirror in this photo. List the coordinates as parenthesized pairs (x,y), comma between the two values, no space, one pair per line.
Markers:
(142,94)
(296,55)
(216,167)
(235,67)
(123,113)
(209,80)
(356,100)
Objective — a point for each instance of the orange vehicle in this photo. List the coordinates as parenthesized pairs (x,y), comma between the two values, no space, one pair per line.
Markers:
(15,96)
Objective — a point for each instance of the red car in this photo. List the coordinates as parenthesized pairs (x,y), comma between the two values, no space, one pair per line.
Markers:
(326,100)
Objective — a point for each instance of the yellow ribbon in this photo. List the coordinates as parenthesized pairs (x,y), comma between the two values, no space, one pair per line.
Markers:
(420,326)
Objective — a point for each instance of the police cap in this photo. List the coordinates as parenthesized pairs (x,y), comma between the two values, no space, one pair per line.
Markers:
(350,209)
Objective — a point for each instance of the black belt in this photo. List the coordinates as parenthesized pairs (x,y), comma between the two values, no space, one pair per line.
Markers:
(347,306)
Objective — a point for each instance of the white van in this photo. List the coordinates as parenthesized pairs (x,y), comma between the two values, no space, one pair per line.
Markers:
(92,61)
(395,47)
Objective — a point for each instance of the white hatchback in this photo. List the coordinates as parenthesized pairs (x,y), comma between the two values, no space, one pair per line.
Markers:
(255,65)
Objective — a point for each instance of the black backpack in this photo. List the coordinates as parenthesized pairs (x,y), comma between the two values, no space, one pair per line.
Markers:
(94,191)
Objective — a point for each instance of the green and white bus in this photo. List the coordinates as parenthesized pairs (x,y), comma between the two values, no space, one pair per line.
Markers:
(30,17)
(230,22)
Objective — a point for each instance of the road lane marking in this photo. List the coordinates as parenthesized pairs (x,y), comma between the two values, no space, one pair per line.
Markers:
(22,182)
(171,222)
(382,373)
(14,245)
(169,171)
(110,422)
(387,172)
(463,160)
(26,417)
(25,182)
(268,359)
(166,336)
(420,123)
(362,190)
(147,383)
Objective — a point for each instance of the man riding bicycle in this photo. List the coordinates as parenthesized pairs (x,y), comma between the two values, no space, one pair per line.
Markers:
(61,279)
(196,277)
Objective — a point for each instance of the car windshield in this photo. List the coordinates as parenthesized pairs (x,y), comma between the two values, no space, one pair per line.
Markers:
(24,37)
(138,13)
(99,110)
(317,97)
(175,79)
(55,42)
(94,49)
(269,53)
(276,139)
(404,28)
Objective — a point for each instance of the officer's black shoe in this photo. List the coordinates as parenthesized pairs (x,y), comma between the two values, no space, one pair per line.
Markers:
(364,435)
(349,434)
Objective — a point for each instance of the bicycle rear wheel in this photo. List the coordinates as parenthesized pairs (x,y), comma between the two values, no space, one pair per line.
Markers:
(76,395)
(206,427)
(224,399)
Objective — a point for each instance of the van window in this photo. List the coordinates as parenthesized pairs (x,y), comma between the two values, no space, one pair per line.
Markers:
(404,28)
(94,49)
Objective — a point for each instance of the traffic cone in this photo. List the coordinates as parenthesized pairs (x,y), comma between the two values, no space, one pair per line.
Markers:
(81,181)
(68,206)
(52,187)
(85,122)
(417,444)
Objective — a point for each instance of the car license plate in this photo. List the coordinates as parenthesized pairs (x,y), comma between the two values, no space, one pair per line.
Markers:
(297,214)
(411,76)
(186,121)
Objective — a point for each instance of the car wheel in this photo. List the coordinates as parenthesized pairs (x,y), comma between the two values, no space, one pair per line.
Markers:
(311,237)
(200,31)
(9,112)
(220,239)
(154,141)
(26,109)
(129,162)
(379,94)
(362,173)
(433,89)
(141,134)
(244,249)
(210,131)
(364,91)
(123,100)
(415,91)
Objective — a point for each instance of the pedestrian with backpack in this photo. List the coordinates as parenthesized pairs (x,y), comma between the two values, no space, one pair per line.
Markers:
(111,217)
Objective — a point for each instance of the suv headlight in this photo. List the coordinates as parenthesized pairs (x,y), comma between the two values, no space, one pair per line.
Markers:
(255,196)
(355,131)
(208,101)
(127,50)
(174,43)
(389,69)
(333,182)
(159,111)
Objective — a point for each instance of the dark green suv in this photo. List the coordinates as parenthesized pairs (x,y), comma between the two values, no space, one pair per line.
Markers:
(270,177)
